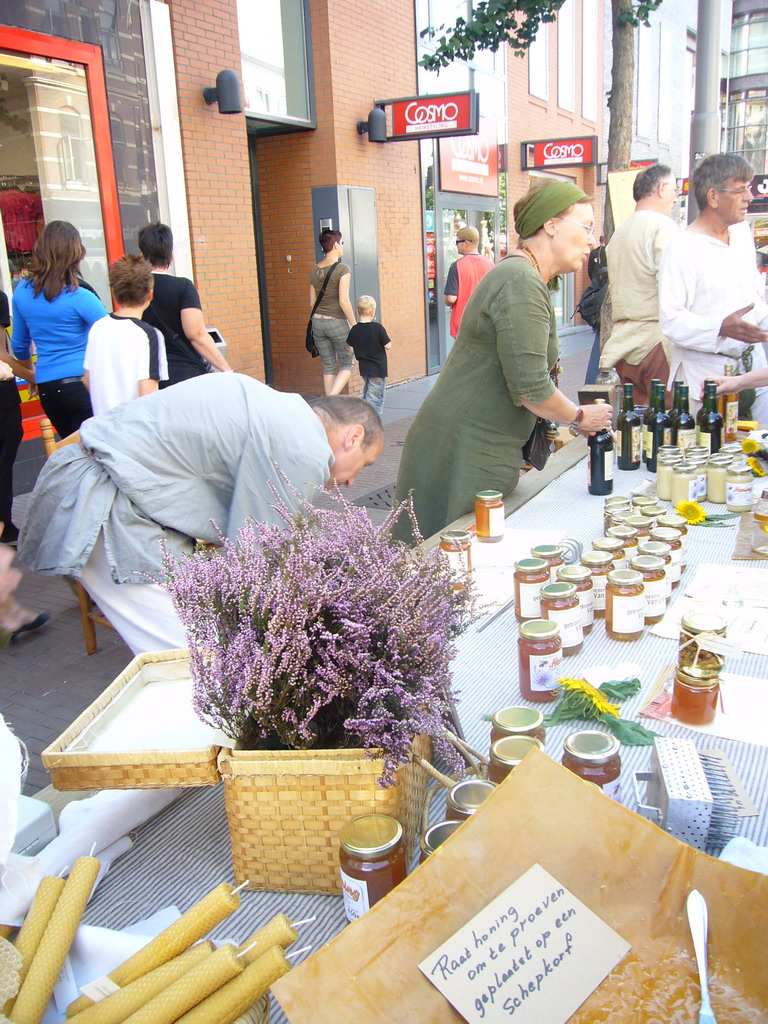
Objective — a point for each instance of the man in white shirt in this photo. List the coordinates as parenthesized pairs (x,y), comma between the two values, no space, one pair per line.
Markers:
(711,304)
(636,346)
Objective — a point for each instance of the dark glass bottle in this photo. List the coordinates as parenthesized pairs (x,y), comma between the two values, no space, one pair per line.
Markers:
(662,429)
(600,460)
(648,416)
(629,432)
(709,422)
(684,425)
(674,412)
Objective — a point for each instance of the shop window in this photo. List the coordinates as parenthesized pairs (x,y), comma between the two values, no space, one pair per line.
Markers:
(70,147)
(538,64)
(273,55)
(565,56)
(589,37)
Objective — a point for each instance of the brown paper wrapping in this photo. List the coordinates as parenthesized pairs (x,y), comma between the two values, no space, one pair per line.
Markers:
(629,872)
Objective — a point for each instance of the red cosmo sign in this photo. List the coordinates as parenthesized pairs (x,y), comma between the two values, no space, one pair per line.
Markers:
(420,117)
(547,153)
(470,163)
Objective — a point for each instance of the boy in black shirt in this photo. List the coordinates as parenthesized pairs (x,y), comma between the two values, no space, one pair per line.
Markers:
(370,342)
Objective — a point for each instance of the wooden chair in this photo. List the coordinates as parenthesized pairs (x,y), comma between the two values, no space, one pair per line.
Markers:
(89,613)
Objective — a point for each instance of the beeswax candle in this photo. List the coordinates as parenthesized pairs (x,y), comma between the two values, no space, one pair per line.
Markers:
(54,945)
(277,932)
(37,918)
(115,1008)
(190,927)
(190,989)
(238,995)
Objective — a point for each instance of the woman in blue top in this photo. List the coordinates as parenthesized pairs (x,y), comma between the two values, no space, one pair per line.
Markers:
(51,309)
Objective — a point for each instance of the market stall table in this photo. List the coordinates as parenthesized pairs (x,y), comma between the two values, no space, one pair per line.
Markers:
(184,852)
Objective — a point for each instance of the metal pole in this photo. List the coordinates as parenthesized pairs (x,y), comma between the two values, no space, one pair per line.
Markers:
(705,125)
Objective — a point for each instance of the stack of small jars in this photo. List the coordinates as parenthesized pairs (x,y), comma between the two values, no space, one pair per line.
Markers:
(699,664)
(694,475)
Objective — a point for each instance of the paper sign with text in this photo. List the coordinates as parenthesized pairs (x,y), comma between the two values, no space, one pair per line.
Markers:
(533,955)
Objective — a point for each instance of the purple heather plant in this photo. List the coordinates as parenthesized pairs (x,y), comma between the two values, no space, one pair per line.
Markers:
(325,632)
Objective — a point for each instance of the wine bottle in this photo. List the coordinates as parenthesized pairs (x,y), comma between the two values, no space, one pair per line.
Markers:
(660,430)
(648,415)
(709,422)
(728,407)
(684,425)
(628,430)
(600,460)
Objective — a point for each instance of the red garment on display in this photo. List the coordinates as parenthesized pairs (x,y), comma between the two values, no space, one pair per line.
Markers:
(20,211)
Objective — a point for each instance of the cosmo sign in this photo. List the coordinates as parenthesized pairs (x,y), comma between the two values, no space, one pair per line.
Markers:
(470,163)
(429,117)
(548,153)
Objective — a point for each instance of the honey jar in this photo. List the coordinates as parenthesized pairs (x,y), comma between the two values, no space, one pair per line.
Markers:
(624,605)
(654,586)
(700,487)
(639,501)
(620,518)
(614,547)
(683,487)
(669,535)
(628,538)
(656,549)
(641,524)
(617,503)
(507,753)
(540,655)
(691,656)
(518,720)
(694,700)
(457,545)
(717,470)
(463,799)
(674,521)
(581,578)
(664,469)
(553,555)
(435,836)
(530,575)
(653,511)
(599,563)
(489,517)
(594,756)
(372,861)
(560,604)
(739,496)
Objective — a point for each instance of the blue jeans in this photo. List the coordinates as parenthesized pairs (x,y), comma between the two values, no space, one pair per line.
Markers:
(373,392)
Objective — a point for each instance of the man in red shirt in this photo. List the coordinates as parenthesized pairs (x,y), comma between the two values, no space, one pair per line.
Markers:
(464,275)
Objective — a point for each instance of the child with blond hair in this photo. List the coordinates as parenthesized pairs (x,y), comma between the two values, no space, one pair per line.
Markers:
(370,343)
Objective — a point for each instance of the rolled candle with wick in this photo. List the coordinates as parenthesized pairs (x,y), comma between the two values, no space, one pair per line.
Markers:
(32,929)
(190,989)
(115,1008)
(192,926)
(239,995)
(277,932)
(55,943)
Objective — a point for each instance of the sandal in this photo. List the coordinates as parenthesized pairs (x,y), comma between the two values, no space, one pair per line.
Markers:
(30,627)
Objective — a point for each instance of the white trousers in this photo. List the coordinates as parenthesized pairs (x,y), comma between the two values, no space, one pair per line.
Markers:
(142,613)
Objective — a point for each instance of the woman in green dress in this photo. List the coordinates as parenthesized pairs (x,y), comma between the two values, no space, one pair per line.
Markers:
(469,433)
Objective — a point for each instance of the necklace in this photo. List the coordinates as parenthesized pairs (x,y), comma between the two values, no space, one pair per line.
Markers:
(531,257)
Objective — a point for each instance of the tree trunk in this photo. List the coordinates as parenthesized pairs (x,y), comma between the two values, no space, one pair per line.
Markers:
(620,103)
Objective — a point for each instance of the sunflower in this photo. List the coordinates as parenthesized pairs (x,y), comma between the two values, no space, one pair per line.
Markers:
(692,511)
(749,444)
(755,465)
(596,698)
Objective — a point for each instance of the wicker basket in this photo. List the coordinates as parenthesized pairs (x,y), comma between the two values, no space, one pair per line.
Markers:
(128,769)
(286,808)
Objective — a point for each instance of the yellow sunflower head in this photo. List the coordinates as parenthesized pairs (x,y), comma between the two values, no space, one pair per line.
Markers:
(749,444)
(756,466)
(598,699)
(692,511)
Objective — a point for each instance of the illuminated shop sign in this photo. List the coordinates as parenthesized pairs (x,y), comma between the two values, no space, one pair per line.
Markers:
(429,117)
(544,154)
(470,163)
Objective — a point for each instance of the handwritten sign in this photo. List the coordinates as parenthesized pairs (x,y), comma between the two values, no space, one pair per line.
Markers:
(533,955)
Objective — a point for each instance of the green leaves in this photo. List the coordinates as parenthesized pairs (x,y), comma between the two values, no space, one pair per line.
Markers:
(574,704)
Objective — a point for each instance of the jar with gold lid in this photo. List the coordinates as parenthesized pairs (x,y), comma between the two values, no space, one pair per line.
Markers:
(372,861)
(599,563)
(669,535)
(739,493)
(614,504)
(696,628)
(435,836)
(732,448)
(694,700)
(540,655)
(639,501)
(666,450)
(581,577)
(664,469)
(650,512)
(613,547)
(700,464)
(518,720)
(530,575)
(684,476)
(457,545)
(507,753)
(628,538)
(641,524)
(594,756)
(717,470)
(489,517)
(656,549)
(624,605)
(654,586)
(619,518)
(674,521)
(553,555)
(463,799)
(560,604)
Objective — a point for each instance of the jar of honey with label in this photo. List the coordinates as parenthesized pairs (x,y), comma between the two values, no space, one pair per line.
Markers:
(599,563)
(694,700)
(641,524)
(594,756)
(696,628)
(654,586)
(628,538)
(656,549)
(540,655)
(553,555)
(372,861)
(489,517)
(560,604)
(530,575)
(507,753)
(614,547)
(672,537)
(581,577)
(435,836)
(624,605)
(463,799)
(616,503)
(457,545)
(518,720)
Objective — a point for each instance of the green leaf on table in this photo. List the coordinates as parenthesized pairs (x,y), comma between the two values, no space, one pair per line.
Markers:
(631,734)
(620,689)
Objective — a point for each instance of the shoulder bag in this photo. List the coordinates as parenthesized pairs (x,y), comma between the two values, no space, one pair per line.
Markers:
(309,341)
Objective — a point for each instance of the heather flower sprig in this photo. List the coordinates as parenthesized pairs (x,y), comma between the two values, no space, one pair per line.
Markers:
(323,631)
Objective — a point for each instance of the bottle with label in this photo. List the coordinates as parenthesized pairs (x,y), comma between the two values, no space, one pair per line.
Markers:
(660,432)
(760,525)
(530,575)
(489,517)
(629,432)
(457,545)
(594,756)
(560,604)
(372,861)
(739,496)
(648,416)
(600,461)
(581,578)
(654,586)
(599,563)
(684,426)
(728,407)
(540,655)
(709,422)
(624,605)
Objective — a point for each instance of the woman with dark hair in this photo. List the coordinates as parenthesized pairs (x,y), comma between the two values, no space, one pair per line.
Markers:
(53,311)
(469,434)
(333,317)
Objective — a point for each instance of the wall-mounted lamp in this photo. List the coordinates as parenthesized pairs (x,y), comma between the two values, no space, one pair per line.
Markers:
(375,127)
(602,174)
(226,93)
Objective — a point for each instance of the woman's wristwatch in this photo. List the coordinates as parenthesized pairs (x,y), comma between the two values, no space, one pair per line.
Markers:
(574,425)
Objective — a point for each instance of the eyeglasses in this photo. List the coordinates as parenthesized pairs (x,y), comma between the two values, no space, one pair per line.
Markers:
(589,228)
(673,186)
(745,191)
(461,241)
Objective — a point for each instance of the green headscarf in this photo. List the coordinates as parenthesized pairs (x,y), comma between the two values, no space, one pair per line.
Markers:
(548,202)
